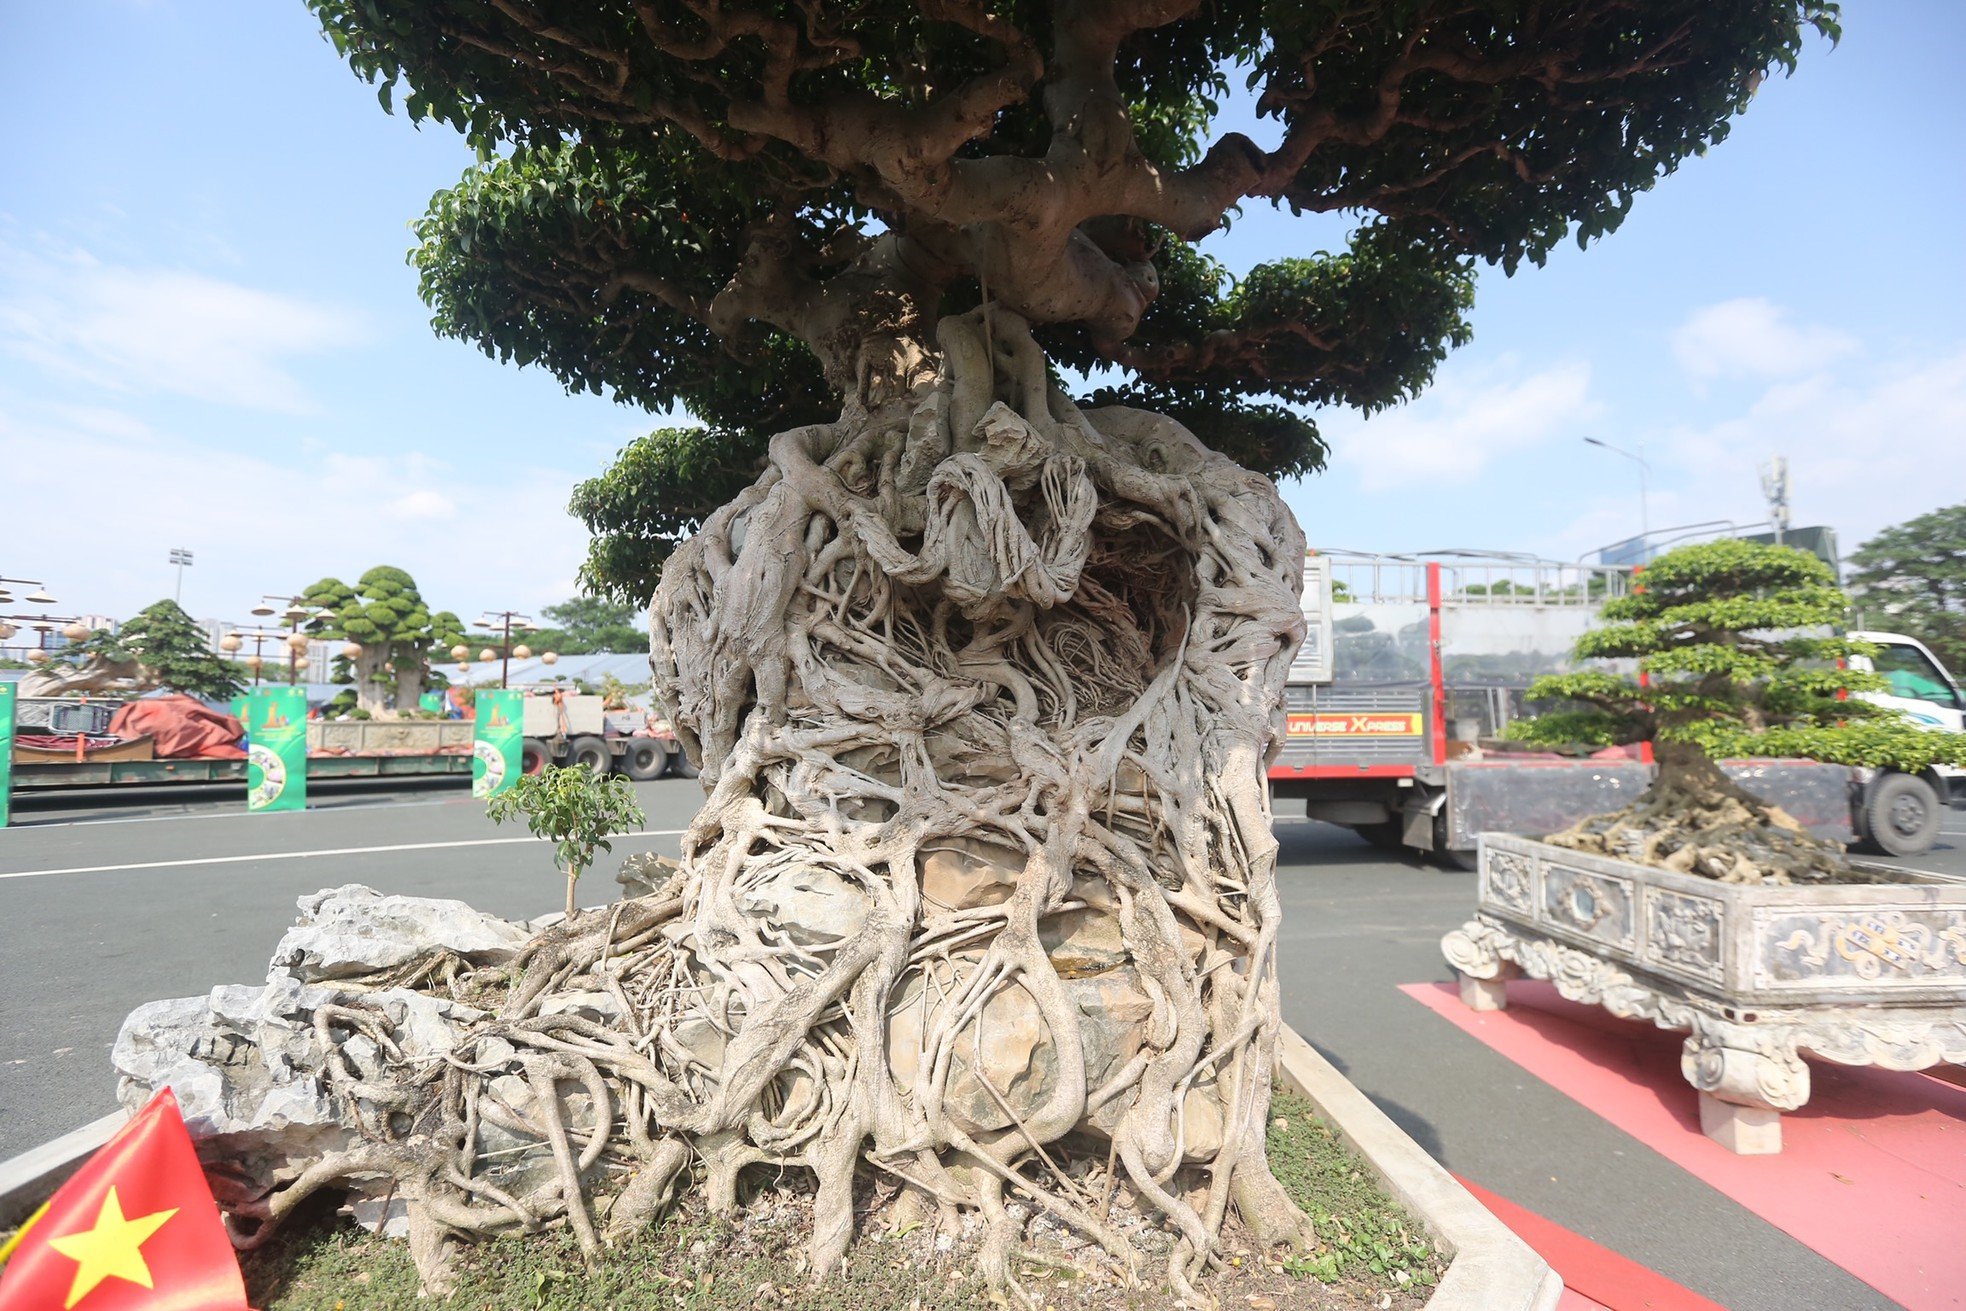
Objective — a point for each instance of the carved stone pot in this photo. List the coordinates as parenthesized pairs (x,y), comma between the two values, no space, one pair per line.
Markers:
(1859,974)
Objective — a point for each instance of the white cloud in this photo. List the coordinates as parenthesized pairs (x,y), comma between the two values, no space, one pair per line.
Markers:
(1868,446)
(423,505)
(147,330)
(1469,419)
(486,537)
(1752,337)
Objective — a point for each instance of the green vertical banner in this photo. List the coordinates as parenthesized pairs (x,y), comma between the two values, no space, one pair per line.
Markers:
(498,744)
(6,750)
(276,749)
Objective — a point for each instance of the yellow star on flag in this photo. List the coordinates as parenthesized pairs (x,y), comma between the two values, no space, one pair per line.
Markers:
(112,1249)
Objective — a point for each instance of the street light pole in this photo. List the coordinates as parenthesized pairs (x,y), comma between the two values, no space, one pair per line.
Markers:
(1644,513)
(180,557)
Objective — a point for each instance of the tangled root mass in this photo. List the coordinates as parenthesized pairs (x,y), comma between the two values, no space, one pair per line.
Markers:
(983,689)
(1695,820)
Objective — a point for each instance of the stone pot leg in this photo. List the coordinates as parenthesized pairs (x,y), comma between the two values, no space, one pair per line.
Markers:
(1488,994)
(1746,1077)
(1473,951)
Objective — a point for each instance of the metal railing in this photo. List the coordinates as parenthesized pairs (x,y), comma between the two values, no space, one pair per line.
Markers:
(1473,578)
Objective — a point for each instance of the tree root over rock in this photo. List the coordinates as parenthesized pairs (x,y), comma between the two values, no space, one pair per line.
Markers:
(1695,820)
(984,689)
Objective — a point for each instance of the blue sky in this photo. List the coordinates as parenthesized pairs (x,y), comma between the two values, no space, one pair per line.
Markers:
(209,338)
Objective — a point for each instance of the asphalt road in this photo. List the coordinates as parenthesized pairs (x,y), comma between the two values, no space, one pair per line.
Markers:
(108,903)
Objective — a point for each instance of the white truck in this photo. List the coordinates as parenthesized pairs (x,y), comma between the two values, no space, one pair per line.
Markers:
(1902,813)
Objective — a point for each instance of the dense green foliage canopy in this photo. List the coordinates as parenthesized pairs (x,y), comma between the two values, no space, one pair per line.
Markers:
(718,207)
(1912,579)
(386,614)
(1734,639)
(585,625)
(172,646)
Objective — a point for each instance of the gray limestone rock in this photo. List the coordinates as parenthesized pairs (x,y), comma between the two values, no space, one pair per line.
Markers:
(355,930)
(246,1062)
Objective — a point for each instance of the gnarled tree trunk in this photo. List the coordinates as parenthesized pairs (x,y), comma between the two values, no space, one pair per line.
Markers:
(984,689)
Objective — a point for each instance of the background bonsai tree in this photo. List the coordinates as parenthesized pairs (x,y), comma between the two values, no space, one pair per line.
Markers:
(574,807)
(386,615)
(171,648)
(1911,578)
(982,679)
(1734,639)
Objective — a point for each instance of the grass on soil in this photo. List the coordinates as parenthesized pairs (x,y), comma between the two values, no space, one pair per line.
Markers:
(1370,1254)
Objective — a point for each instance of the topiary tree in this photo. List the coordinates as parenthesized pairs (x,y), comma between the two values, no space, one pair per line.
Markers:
(1734,642)
(983,680)
(389,619)
(172,649)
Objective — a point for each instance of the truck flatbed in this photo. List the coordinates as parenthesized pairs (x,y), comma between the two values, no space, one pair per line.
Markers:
(29,778)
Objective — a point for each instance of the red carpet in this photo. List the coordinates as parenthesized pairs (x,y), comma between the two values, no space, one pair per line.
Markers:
(1873,1170)
(1593,1275)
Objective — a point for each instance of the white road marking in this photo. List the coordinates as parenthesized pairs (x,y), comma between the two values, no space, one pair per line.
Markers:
(306,855)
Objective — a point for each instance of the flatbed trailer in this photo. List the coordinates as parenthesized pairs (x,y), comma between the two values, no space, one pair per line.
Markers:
(120,773)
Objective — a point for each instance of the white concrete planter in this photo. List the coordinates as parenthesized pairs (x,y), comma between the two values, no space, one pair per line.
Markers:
(1489,1269)
(1859,974)
(385,737)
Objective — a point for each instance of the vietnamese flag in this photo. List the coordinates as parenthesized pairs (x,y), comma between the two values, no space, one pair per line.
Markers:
(135,1229)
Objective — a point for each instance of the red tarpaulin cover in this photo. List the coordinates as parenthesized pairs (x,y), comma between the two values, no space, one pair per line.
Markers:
(181,728)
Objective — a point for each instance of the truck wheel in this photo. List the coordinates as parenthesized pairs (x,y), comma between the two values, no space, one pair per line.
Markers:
(534,758)
(590,753)
(1903,814)
(680,764)
(645,759)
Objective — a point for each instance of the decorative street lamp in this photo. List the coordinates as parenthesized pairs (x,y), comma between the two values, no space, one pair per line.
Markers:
(39,596)
(506,623)
(296,613)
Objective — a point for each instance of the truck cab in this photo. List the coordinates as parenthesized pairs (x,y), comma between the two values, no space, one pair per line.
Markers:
(1901,813)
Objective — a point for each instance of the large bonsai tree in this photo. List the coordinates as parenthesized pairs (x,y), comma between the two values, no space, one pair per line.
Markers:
(171,651)
(1735,645)
(387,617)
(982,680)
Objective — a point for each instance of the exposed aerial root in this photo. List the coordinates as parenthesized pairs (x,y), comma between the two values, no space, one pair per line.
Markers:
(983,689)
(1695,821)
